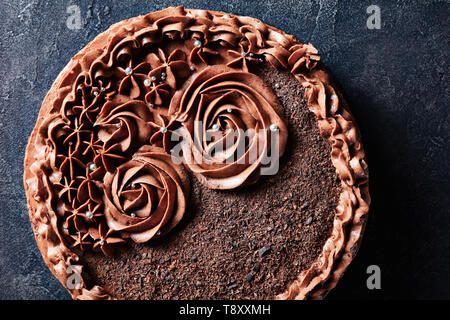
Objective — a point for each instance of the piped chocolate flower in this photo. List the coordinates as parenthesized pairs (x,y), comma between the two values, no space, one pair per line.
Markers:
(229,119)
(146,197)
(201,52)
(164,132)
(158,94)
(124,126)
(241,58)
(168,68)
(104,239)
(133,79)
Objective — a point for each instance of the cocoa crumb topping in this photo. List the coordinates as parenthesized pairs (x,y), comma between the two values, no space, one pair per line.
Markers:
(247,243)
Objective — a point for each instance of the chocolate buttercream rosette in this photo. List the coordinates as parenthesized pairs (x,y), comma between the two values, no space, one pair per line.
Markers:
(231,126)
(99,166)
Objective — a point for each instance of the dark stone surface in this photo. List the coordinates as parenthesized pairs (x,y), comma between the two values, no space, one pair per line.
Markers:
(396,80)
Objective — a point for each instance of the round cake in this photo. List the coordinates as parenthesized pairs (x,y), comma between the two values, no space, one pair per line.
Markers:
(193,154)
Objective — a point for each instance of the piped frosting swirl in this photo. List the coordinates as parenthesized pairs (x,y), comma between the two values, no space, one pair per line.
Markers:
(146,197)
(227,115)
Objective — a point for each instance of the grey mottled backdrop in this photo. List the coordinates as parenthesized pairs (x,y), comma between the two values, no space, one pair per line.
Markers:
(395,78)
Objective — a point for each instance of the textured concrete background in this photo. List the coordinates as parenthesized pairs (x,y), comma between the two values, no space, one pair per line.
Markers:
(396,80)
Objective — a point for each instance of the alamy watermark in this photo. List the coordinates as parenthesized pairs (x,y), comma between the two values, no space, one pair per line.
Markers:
(232,146)
(374,20)
(74,280)
(73,21)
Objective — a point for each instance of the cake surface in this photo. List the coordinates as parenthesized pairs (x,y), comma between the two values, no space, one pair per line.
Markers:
(118,211)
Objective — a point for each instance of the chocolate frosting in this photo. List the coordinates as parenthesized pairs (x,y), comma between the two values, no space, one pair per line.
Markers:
(147,196)
(97,166)
(237,103)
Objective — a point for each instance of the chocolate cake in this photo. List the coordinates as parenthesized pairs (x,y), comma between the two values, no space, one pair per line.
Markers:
(192,154)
